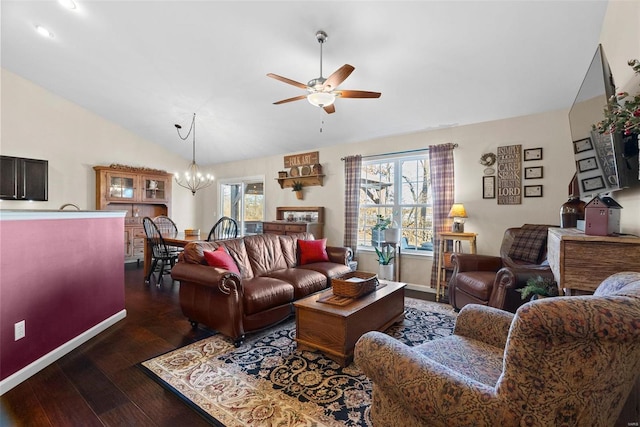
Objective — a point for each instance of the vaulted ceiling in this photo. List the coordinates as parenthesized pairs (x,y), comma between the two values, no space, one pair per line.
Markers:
(146,65)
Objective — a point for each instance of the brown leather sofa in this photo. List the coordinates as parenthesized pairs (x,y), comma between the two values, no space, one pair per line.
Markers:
(493,280)
(270,280)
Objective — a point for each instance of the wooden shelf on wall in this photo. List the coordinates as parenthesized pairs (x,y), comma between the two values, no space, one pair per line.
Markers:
(307,180)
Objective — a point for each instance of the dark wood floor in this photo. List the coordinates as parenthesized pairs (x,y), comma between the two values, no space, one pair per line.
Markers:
(99,383)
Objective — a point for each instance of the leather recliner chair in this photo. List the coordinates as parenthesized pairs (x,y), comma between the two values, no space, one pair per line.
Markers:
(493,280)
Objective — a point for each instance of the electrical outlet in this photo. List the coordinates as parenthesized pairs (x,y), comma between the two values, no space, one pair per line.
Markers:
(19,330)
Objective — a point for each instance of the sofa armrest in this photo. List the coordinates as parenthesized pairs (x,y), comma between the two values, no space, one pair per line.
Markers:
(204,275)
(472,262)
(504,294)
(339,254)
(427,389)
(487,324)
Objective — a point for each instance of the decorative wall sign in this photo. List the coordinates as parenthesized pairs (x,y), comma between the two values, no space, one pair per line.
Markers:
(591,184)
(304,159)
(533,191)
(582,145)
(587,164)
(509,183)
(488,187)
(532,154)
(533,172)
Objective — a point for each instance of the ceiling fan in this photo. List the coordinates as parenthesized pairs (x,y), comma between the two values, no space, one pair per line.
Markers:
(323,92)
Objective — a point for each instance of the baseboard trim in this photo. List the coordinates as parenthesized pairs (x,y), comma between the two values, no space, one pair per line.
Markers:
(420,288)
(36,366)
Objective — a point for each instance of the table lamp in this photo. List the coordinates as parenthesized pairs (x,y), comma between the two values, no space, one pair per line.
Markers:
(458,214)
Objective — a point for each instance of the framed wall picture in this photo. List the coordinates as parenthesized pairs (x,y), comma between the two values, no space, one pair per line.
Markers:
(591,184)
(582,145)
(533,191)
(533,154)
(533,172)
(488,187)
(587,164)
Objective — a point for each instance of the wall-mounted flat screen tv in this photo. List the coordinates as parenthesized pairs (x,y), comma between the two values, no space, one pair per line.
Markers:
(604,162)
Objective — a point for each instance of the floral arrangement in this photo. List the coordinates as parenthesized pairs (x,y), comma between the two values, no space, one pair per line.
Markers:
(625,116)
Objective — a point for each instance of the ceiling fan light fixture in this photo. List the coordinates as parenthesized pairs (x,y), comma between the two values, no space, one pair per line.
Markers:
(321,99)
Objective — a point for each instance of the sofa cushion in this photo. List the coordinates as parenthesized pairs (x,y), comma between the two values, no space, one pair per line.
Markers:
(329,269)
(304,282)
(529,243)
(312,251)
(472,358)
(221,259)
(264,293)
(264,253)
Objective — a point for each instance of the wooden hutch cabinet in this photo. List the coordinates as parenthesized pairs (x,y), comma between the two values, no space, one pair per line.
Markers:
(139,192)
(297,219)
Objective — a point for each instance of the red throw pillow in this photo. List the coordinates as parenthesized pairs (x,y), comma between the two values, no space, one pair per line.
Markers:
(312,251)
(221,259)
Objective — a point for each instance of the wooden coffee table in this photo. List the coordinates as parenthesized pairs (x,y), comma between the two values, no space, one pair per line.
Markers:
(334,329)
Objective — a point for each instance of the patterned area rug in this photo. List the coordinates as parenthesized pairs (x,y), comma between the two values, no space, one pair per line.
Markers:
(268,382)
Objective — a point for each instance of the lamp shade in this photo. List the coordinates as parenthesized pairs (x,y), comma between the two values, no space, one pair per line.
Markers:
(457,211)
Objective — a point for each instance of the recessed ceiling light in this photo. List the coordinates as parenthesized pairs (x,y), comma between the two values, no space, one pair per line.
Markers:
(43,31)
(69,4)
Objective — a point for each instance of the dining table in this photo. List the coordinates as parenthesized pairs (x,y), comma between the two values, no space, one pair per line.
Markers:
(179,240)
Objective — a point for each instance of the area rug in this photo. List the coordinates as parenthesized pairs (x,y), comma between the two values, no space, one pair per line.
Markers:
(268,382)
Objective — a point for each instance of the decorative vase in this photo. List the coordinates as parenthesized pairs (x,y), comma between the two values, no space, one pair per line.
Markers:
(392,235)
(299,194)
(571,211)
(385,272)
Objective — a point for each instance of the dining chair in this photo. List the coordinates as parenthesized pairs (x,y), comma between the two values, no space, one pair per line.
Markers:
(225,228)
(161,253)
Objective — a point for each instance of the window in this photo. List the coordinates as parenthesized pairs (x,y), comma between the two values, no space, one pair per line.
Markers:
(243,200)
(398,189)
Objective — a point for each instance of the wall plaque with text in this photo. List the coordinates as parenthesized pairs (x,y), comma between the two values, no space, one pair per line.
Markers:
(304,159)
(509,182)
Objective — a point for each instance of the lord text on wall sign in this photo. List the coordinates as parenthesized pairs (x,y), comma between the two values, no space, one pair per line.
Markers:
(509,160)
(304,159)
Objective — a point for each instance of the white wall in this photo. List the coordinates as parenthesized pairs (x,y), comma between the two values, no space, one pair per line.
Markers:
(549,131)
(39,124)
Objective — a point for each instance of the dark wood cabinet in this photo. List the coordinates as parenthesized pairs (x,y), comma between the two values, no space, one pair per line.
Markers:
(299,219)
(24,179)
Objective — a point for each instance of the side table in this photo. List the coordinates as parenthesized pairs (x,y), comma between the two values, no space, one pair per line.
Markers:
(457,239)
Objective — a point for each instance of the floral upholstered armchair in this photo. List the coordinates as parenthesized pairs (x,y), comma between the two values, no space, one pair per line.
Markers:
(557,361)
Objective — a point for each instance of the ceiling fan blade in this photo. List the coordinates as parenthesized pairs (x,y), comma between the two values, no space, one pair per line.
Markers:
(357,94)
(339,76)
(288,81)
(295,98)
(330,109)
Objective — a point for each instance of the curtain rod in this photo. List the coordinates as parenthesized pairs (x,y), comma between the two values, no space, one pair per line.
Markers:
(396,152)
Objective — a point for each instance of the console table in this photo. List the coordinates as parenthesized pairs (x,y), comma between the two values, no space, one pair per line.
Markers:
(299,219)
(581,262)
(444,258)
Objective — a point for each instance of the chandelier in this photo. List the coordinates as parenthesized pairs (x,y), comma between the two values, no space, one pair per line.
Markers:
(192,179)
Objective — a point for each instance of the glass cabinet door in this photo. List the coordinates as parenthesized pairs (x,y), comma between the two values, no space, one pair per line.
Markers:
(155,188)
(121,187)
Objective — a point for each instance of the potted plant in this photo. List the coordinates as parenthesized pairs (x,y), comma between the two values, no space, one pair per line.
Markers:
(385,256)
(377,231)
(622,117)
(539,287)
(297,188)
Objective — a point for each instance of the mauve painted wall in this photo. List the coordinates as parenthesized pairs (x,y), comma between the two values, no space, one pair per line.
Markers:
(63,276)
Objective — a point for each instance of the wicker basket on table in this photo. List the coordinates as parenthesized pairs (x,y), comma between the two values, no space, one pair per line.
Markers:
(361,283)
